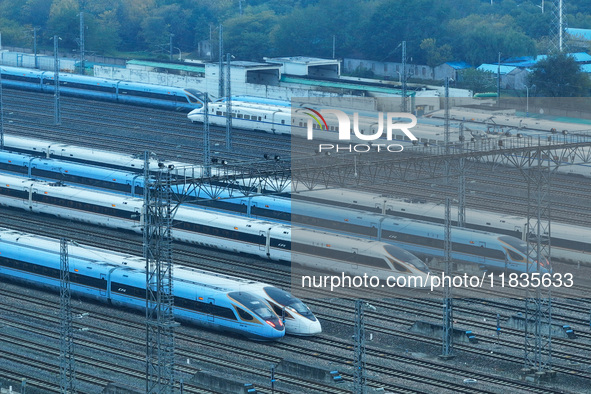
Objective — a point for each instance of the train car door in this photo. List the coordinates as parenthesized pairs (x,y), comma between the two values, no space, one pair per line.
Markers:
(262,239)
(103,289)
(32,192)
(355,258)
(210,306)
(482,253)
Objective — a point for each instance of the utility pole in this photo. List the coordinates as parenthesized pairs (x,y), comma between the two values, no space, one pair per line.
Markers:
(499,81)
(359,379)
(67,370)
(221,68)
(170,46)
(334,41)
(462,182)
(228,105)
(56,80)
(447,343)
(206,143)
(81,43)
(403,107)
(35,45)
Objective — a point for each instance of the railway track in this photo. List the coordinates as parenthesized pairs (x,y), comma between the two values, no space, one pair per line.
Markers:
(264,276)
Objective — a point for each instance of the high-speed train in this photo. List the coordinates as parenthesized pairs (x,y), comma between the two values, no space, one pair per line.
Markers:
(200,297)
(570,243)
(96,167)
(95,175)
(321,250)
(57,150)
(511,121)
(102,89)
(283,119)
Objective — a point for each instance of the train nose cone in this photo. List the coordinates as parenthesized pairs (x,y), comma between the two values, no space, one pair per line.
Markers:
(314,327)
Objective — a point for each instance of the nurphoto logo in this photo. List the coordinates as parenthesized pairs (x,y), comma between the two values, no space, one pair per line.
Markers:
(368,129)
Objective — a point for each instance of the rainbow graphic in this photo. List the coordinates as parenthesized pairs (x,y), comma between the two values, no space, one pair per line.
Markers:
(315,115)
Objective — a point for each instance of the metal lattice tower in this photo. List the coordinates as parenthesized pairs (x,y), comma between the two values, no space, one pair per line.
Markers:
(67,367)
(404,106)
(228,106)
(221,67)
(206,143)
(81,43)
(359,379)
(447,337)
(160,322)
(538,303)
(56,81)
(557,27)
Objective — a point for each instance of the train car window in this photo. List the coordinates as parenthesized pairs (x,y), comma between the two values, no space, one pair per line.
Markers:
(247,117)
(406,257)
(284,298)
(244,315)
(219,113)
(260,118)
(240,116)
(282,121)
(254,303)
(515,256)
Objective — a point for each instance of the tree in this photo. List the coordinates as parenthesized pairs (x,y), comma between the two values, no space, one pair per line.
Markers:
(247,36)
(64,22)
(476,80)
(559,75)
(436,55)
(478,39)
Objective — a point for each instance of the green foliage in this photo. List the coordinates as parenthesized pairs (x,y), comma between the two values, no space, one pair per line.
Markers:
(476,80)
(435,30)
(478,39)
(436,55)
(247,36)
(559,76)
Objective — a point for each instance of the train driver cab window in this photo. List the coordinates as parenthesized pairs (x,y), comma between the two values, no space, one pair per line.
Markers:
(244,315)
(514,255)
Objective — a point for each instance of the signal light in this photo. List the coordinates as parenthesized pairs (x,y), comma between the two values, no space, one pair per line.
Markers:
(269,322)
(219,161)
(272,157)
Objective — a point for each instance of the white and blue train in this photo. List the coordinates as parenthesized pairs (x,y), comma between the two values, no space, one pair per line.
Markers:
(119,91)
(316,249)
(73,153)
(569,243)
(202,298)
